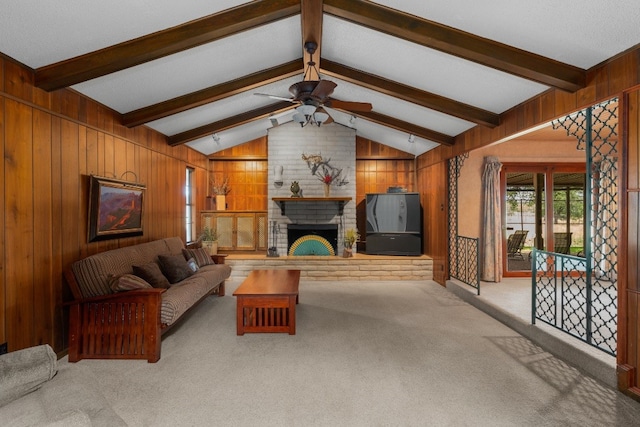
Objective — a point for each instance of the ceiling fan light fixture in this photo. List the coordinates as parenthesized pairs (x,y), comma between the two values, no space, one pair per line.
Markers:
(320,117)
(306,110)
(300,118)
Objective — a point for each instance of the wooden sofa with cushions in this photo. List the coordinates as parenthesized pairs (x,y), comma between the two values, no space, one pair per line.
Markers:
(117,314)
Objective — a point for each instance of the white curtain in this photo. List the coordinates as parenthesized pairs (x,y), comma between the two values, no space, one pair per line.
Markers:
(492,222)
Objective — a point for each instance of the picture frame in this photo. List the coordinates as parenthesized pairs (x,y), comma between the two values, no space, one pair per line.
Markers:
(116,208)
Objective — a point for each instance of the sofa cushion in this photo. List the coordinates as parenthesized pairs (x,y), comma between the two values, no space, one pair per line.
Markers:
(201,256)
(152,274)
(174,267)
(128,282)
(181,296)
(93,274)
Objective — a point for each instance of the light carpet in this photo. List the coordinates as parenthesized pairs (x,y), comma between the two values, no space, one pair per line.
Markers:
(365,354)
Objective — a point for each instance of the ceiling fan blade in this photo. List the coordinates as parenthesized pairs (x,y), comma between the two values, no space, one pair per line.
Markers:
(276,97)
(349,106)
(323,89)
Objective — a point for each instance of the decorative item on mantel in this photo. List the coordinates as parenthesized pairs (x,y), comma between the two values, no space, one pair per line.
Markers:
(351,236)
(295,189)
(323,170)
(220,190)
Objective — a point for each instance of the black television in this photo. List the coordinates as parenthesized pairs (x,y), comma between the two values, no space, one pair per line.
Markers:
(393,213)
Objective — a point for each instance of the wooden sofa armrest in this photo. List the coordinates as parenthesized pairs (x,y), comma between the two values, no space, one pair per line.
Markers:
(219,258)
(125,325)
(117,296)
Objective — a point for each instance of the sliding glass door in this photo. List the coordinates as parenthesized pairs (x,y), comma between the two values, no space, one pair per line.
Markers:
(543,208)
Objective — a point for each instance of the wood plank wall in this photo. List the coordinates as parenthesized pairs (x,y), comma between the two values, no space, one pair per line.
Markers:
(246,168)
(433,183)
(50,143)
(629,288)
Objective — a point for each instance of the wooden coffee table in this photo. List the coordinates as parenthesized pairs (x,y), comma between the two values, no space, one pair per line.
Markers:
(266,301)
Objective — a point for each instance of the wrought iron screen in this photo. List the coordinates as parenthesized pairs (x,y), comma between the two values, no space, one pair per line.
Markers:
(590,304)
(454,172)
(468,261)
(562,297)
(464,253)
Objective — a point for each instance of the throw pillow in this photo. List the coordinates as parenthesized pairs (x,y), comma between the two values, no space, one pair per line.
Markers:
(152,274)
(193,265)
(201,256)
(128,282)
(174,267)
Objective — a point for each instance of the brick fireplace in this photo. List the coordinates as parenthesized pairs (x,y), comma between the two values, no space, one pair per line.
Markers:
(287,144)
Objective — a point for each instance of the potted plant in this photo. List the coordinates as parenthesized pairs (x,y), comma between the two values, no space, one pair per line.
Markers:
(209,239)
(351,235)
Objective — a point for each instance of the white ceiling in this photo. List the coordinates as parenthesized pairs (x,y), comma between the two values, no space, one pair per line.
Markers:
(39,33)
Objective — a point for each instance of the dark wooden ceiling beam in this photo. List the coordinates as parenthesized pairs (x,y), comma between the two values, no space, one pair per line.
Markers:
(211,94)
(411,94)
(403,126)
(311,19)
(459,43)
(230,122)
(162,43)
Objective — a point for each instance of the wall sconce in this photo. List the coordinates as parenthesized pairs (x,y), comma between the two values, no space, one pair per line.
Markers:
(277,178)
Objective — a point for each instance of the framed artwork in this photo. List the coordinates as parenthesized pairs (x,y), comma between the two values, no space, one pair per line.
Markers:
(116,208)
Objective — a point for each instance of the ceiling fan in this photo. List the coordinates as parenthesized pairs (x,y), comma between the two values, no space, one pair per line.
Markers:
(313,96)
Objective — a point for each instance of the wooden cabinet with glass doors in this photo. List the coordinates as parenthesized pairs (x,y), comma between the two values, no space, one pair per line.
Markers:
(238,230)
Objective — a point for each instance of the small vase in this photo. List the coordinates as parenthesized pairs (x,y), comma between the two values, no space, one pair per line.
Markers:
(221,202)
(327,190)
(347,251)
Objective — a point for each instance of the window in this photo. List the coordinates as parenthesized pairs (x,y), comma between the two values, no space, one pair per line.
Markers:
(189,190)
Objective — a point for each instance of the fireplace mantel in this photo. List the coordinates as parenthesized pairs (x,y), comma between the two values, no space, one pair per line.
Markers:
(282,201)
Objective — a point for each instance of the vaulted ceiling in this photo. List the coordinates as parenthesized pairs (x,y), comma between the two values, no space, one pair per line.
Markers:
(190,69)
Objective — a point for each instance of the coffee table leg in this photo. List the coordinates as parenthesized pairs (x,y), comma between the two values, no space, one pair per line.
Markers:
(293,300)
(240,316)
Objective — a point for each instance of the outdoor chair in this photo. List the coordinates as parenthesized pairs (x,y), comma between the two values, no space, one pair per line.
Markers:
(562,243)
(515,243)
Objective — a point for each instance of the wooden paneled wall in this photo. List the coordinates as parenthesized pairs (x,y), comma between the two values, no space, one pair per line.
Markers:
(245,166)
(629,288)
(434,197)
(51,143)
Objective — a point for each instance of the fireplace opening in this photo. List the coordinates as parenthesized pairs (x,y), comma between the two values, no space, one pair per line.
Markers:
(312,239)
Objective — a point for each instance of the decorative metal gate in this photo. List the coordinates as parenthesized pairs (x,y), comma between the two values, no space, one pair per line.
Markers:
(464,252)
(587,290)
